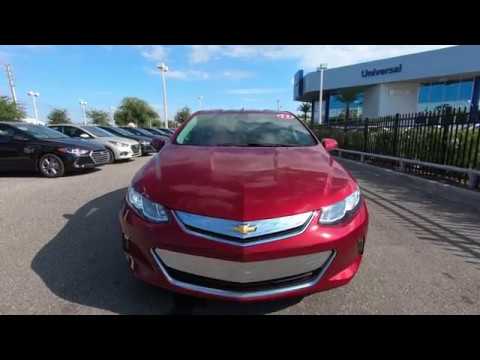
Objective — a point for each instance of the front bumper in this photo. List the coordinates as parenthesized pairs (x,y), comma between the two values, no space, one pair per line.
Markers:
(124,152)
(318,259)
(88,161)
(147,149)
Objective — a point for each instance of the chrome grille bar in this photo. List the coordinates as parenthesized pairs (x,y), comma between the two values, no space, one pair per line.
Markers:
(224,230)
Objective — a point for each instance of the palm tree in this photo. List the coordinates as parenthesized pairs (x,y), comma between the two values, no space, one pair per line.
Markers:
(348,96)
(305,108)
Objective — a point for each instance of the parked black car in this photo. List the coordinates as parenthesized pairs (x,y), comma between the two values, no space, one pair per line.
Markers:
(145,141)
(162,132)
(142,132)
(28,147)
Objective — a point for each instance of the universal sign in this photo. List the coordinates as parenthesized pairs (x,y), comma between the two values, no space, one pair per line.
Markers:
(376,72)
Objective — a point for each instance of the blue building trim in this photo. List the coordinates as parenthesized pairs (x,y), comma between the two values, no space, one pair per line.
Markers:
(313,112)
(327,108)
(475,96)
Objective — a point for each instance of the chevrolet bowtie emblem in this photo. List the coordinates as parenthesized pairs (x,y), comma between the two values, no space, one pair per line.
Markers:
(245,229)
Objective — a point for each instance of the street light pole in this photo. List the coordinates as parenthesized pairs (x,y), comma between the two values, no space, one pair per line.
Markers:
(11,83)
(83,105)
(34,96)
(278,105)
(112,115)
(163,69)
(321,68)
(200,98)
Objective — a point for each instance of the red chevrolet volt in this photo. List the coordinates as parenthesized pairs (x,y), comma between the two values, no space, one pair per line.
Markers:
(244,206)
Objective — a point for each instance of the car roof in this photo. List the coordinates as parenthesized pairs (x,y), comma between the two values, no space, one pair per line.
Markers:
(14,123)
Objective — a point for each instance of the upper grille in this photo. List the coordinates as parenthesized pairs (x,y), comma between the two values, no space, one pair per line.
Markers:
(224,230)
(100,157)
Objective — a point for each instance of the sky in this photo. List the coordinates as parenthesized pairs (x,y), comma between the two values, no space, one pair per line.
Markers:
(226,76)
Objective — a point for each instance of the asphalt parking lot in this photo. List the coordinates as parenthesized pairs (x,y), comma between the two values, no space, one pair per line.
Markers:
(61,252)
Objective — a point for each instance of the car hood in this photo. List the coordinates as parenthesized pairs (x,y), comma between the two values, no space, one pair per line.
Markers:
(105,140)
(80,143)
(243,183)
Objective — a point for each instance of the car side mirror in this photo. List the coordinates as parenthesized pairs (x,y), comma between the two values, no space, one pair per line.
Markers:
(158,143)
(329,144)
(85,136)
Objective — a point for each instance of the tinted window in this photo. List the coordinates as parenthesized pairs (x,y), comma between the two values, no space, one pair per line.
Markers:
(117,131)
(436,93)
(39,131)
(6,131)
(466,88)
(73,131)
(424,96)
(245,129)
(451,91)
(139,132)
(57,128)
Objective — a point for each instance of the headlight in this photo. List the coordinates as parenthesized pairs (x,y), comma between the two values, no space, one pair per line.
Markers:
(336,212)
(148,209)
(116,143)
(74,151)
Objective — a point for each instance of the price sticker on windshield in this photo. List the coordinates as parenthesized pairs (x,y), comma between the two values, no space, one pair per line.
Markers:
(284,116)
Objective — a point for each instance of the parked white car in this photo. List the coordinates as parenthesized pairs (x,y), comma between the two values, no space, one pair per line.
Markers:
(120,148)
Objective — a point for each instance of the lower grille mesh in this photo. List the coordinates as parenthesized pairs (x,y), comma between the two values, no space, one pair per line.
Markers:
(101,157)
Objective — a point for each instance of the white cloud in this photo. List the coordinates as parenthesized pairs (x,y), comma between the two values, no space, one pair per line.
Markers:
(189,74)
(237,74)
(154,52)
(307,56)
(256,91)
(193,74)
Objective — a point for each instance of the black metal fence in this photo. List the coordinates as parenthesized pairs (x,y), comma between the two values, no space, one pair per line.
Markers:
(447,137)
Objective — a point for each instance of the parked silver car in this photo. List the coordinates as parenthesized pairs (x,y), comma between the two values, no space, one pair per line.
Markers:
(120,148)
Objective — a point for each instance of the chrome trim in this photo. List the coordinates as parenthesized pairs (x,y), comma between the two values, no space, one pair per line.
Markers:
(238,294)
(242,272)
(232,223)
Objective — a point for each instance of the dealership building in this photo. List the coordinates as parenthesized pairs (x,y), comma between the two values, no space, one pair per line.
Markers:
(398,85)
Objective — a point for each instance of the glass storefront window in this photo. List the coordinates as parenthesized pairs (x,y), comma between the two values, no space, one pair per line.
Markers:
(436,93)
(454,93)
(466,88)
(337,108)
(424,96)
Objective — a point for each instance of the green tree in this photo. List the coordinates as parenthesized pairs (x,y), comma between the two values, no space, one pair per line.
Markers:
(348,96)
(59,116)
(99,117)
(305,108)
(156,123)
(9,111)
(135,110)
(182,115)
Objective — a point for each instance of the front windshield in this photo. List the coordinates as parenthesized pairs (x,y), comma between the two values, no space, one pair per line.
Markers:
(138,131)
(118,131)
(40,132)
(97,131)
(152,131)
(245,129)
